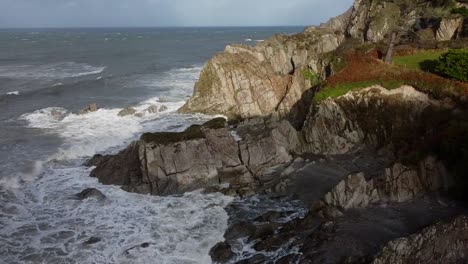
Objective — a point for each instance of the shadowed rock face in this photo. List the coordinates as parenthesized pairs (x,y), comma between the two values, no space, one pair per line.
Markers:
(440,243)
(372,117)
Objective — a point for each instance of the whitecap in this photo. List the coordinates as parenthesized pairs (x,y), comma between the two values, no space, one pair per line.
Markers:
(13,93)
(49,71)
(248,40)
(46,223)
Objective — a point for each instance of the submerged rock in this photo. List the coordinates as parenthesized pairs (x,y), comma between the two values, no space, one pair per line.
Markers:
(91,193)
(221,253)
(163,108)
(127,111)
(152,109)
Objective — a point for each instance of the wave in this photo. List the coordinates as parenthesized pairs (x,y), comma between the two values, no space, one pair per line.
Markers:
(45,223)
(13,93)
(85,135)
(49,71)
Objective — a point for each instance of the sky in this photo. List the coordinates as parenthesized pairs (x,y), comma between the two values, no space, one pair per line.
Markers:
(163,13)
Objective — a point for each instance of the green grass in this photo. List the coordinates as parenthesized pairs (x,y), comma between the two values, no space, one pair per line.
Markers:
(344,88)
(424,61)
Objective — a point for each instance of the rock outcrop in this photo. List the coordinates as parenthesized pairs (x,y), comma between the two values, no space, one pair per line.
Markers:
(88,109)
(372,117)
(200,157)
(440,243)
(244,82)
(398,184)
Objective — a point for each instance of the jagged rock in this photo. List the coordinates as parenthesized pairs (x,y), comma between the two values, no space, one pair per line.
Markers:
(240,230)
(95,160)
(221,253)
(398,184)
(90,108)
(366,118)
(127,111)
(440,243)
(90,193)
(448,28)
(163,108)
(244,82)
(152,109)
(201,156)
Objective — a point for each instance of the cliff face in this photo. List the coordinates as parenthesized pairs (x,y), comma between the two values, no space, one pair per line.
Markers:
(244,82)
(271,78)
(372,117)
(201,157)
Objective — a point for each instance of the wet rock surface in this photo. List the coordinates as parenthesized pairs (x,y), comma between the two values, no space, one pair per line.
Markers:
(90,193)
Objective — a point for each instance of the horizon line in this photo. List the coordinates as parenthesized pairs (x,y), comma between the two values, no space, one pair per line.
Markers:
(121,27)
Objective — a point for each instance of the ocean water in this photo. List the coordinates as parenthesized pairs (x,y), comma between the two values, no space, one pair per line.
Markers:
(50,71)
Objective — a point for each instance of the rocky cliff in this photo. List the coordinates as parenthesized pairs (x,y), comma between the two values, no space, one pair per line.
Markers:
(202,156)
(271,78)
(372,117)
(440,243)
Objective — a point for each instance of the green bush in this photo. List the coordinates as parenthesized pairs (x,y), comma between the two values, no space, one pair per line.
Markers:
(460,10)
(454,64)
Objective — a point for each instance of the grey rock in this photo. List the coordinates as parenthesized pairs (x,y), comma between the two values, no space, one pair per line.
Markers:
(127,111)
(440,243)
(221,253)
(240,230)
(163,108)
(152,109)
(90,193)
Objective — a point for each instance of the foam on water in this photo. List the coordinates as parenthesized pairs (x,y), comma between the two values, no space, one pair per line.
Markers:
(47,224)
(43,222)
(49,71)
(13,93)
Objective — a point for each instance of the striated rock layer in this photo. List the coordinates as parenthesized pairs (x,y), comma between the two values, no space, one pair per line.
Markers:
(440,243)
(199,157)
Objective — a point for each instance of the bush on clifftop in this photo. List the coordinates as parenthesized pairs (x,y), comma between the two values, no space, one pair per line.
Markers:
(454,65)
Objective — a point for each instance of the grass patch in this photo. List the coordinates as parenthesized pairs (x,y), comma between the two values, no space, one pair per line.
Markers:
(344,88)
(424,61)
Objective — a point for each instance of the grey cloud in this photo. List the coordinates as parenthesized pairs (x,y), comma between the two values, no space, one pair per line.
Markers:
(89,13)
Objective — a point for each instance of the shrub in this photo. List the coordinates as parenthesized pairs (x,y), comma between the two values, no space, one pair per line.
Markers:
(460,10)
(454,65)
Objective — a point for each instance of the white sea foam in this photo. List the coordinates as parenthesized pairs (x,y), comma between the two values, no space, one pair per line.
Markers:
(45,224)
(13,93)
(49,71)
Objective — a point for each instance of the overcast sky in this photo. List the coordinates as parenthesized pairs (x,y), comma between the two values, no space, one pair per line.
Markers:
(134,13)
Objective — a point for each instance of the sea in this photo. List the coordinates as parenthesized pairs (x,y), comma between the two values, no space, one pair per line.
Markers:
(46,77)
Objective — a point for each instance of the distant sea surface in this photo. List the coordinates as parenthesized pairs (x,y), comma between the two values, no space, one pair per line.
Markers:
(46,77)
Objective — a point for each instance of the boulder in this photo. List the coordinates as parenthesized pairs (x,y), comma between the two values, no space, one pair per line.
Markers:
(440,243)
(238,230)
(90,108)
(91,193)
(221,253)
(95,160)
(127,111)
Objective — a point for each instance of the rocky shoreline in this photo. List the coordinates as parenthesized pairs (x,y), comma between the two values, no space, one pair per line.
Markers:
(369,173)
